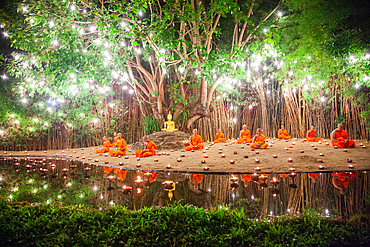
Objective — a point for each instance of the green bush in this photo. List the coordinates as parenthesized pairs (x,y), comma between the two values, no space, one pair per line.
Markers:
(56,225)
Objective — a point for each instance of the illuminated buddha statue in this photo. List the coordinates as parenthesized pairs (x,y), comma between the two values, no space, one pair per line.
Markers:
(169,125)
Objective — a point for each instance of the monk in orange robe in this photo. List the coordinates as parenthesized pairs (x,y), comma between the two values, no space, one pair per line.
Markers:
(121,147)
(259,140)
(115,140)
(341,180)
(313,176)
(106,147)
(152,177)
(121,174)
(245,136)
(283,133)
(195,142)
(220,137)
(339,138)
(196,179)
(311,135)
(150,148)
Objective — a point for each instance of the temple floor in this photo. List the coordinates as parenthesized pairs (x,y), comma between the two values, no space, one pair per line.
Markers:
(244,159)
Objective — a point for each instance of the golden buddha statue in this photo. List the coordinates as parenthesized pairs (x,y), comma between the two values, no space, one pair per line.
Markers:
(169,125)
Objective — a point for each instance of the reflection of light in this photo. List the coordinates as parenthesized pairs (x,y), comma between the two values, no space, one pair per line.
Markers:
(47,201)
(288,210)
(138,190)
(326,211)
(209,190)
(252,197)
(34,191)
(101,197)
(138,179)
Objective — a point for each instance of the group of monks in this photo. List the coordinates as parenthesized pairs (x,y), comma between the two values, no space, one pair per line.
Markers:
(339,139)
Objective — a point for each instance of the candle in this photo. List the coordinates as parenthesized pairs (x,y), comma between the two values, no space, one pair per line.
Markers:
(320,142)
(192,150)
(257,169)
(302,151)
(56,154)
(137,159)
(83,157)
(232,161)
(44,151)
(204,151)
(327,144)
(312,145)
(252,149)
(89,158)
(205,156)
(350,166)
(321,154)
(171,150)
(235,152)
(220,152)
(321,167)
(225,144)
(178,160)
(272,142)
(155,160)
(345,150)
(163,153)
(70,155)
(320,161)
(182,155)
(245,156)
(241,146)
(257,152)
(167,153)
(223,156)
(274,156)
(335,147)
(315,148)
(203,161)
(100,154)
(169,166)
(138,165)
(290,160)
(363,146)
(121,163)
(349,161)
(182,150)
(96,160)
(293,143)
(206,168)
(73,151)
(106,162)
(290,146)
(220,148)
(286,148)
(126,157)
(206,148)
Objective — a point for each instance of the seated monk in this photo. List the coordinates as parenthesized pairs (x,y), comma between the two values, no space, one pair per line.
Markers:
(339,138)
(121,147)
(341,180)
(150,148)
(220,137)
(245,136)
(283,134)
(196,179)
(195,142)
(106,147)
(115,140)
(259,140)
(311,135)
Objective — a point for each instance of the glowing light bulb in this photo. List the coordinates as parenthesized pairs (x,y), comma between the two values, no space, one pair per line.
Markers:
(323,99)
(95,120)
(92,28)
(95,188)
(250,106)
(16,121)
(51,24)
(24,101)
(280,14)
(73,7)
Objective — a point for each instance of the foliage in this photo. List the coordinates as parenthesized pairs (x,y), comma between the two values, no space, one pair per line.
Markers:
(54,225)
(151,125)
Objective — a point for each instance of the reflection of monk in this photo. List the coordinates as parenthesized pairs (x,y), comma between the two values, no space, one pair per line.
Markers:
(283,133)
(311,135)
(152,177)
(169,125)
(341,180)
(150,148)
(106,147)
(339,138)
(259,140)
(121,174)
(313,176)
(121,147)
(196,179)
(246,178)
(220,137)
(284,176)
(245,136)
(195,142)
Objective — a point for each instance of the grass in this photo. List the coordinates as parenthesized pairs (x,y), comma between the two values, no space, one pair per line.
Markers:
(57,225)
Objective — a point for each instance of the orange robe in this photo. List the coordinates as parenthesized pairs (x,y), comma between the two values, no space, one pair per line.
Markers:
(153,177)
(220,138)
(121,149)
(344,178)
(311,136)
(149,150)
(260,140)
(105,149)
(121,174)
(194,142)
(340,136)
(284,134)
(313,175)
(115,141)
(245,137)
(197,178)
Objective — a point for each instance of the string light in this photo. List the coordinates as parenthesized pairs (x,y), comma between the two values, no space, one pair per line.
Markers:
(51,24)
